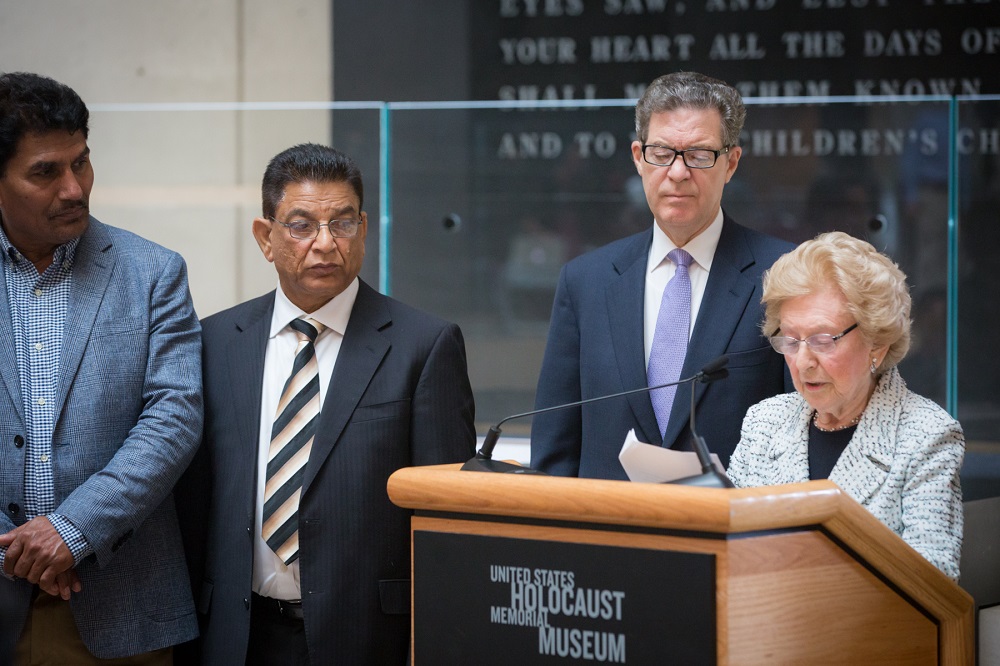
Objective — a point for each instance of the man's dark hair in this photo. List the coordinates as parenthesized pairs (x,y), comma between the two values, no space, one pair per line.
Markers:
(308,162)
(31,103)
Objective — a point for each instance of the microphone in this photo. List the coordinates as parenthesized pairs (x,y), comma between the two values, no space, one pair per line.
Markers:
(710,477)
(483,460)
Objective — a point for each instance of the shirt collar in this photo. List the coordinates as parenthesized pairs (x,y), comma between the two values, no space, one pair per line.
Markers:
(63,256)
(701,247)
(334,314)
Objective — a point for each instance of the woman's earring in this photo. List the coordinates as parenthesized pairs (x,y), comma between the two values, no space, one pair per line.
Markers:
(874,366)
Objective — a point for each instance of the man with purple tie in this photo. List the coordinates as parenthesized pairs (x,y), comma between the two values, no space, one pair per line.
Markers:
(659,305)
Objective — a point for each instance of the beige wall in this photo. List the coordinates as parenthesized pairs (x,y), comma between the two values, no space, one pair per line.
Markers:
(189,179)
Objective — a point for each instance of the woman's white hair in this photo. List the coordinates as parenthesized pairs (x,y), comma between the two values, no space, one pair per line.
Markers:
(872,284)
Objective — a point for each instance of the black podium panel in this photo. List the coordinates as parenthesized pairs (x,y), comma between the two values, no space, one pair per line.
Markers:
(498,600)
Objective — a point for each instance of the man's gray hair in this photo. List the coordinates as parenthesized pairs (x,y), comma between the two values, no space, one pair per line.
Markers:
(690,90)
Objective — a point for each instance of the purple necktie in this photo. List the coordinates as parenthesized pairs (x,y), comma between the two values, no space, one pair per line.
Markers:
(670,340)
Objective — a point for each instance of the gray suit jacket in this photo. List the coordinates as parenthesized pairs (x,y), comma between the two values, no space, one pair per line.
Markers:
(902,464)
(399,396)
(595,348)
(128,419)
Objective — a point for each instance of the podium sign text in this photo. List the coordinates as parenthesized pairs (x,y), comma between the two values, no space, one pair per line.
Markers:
(497,600)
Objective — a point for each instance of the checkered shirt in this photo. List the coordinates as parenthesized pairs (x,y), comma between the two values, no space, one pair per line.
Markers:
(38,308)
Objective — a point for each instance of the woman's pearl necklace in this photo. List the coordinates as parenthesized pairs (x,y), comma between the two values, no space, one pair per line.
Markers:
(853,423)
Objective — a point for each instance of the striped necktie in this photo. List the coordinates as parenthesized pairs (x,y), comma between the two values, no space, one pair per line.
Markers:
(291,441)
(670,340)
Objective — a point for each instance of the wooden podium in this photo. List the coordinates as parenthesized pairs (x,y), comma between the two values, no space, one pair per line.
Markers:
(511,568)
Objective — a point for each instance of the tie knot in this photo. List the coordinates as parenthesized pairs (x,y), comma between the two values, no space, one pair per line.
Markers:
(680,257)
(307,329)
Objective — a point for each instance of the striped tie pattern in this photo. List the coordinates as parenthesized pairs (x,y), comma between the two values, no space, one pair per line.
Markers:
(670,340)
(291,441)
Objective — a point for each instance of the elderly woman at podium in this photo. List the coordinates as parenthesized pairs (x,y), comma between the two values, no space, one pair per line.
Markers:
(839,311)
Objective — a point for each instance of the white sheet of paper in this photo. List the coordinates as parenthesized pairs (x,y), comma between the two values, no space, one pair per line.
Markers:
(645,463)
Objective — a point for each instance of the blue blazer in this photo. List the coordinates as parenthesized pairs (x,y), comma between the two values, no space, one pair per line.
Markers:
(399,396)
(595,347)
(128,421)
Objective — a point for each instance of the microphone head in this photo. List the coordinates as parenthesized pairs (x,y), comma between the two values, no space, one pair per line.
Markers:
(713,367)
(721,373)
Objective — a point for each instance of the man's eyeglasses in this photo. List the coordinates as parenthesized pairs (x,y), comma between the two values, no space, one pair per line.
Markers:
(306,229)
(696,158)
(821,343)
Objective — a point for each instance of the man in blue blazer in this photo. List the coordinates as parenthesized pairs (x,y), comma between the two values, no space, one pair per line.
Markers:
(608,302)
(394,391)
(100,404)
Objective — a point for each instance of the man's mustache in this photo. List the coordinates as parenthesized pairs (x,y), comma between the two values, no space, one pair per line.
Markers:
(80,206)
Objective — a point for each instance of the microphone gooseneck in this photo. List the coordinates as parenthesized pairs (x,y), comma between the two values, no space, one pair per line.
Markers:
(483,460)
(710,477)
(714,367)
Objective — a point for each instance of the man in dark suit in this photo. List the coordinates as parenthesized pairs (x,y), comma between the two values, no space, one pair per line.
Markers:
(639,313)
(307,560)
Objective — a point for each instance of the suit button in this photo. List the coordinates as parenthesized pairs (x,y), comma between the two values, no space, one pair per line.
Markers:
(18,441)
(250,531)
(13,508)
(246,604)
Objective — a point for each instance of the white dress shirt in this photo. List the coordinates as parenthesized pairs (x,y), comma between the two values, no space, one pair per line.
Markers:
(271,577)
(659,270)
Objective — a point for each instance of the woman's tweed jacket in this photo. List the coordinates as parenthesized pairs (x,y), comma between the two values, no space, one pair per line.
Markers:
(902,464)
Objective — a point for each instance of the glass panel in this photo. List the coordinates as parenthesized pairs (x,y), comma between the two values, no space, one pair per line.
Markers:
(488,203)
(533,188)
(978,199)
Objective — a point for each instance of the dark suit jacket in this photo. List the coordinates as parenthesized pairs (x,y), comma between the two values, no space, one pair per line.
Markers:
(399,396)
(595,347)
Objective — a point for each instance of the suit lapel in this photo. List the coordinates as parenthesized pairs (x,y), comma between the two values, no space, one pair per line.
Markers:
(791,446)
(361,354)
(866,462)
(8,353)
(92,267)
(245,359)
(727,296)
(625,321)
